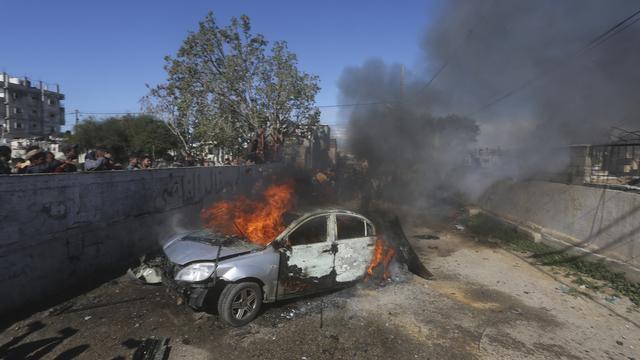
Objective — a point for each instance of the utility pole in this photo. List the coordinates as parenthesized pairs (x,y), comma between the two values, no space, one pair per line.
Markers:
(77,117)
(42,107)
(401,81)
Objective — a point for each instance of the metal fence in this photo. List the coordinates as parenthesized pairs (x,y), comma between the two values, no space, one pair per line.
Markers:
(615,164)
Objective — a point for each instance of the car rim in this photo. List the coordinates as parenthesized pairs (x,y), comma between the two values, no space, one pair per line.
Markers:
(244,303)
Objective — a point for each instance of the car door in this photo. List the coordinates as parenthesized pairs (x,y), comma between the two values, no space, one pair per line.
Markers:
(306,262)
(355,240)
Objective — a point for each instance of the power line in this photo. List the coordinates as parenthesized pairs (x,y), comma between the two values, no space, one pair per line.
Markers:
(428,83)
(437,73)
(607,34)
(592,44)
(448,60)
(357,104)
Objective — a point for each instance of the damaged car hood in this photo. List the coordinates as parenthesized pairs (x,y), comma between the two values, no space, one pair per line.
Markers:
(203,245)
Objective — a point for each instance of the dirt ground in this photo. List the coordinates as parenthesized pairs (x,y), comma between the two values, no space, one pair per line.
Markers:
(484,303)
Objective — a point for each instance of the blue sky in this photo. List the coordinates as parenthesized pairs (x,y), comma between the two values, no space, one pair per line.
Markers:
(102,53)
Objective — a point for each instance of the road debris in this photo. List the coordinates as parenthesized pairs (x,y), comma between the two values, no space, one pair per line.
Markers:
(60,309)
(152,349)
(612,299)
(146,274)
(406,253)
(427,237)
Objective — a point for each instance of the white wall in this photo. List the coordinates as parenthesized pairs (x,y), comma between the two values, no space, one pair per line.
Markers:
(601,220)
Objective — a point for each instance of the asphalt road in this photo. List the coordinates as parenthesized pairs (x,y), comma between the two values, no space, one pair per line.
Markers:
(484,303)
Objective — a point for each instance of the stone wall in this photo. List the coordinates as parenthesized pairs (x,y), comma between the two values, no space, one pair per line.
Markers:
(600,220)
(62,230)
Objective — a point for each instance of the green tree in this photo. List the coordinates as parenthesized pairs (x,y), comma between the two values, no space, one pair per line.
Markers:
(125,135)
(226,83)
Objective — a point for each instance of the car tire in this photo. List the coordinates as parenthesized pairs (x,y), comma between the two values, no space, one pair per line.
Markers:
(240,303)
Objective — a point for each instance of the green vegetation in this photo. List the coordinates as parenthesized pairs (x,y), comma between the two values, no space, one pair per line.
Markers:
(124,136)
(225,84)
(510,237)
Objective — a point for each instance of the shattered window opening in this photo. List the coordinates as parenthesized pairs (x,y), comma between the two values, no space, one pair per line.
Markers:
(350,227)
(311,232)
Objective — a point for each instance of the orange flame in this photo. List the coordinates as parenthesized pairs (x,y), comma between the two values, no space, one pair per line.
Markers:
(259,222)
(381,254)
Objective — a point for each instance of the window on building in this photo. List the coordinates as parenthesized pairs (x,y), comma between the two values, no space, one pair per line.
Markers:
(17,110)
(34,125)
(19,126)
(35,97)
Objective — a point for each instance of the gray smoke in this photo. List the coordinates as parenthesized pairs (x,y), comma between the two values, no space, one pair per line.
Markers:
(563,93)
(492,47)
(409,150)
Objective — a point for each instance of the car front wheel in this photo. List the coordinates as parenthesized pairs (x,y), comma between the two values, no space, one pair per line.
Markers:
(240,303)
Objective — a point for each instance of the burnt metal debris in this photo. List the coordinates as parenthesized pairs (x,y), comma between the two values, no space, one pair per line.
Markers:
(406,254)
(152,349)
(427,237)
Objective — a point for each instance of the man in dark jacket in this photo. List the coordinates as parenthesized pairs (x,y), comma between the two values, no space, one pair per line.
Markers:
(38,162)
(5,160)
(68,162)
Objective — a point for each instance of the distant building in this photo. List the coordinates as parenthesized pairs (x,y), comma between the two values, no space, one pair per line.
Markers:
(19,145)
(29,109)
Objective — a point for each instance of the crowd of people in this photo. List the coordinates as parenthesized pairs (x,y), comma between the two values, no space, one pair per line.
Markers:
(40,161)
(37,161)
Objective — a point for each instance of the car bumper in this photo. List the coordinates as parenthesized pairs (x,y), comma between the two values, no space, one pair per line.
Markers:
(193,294)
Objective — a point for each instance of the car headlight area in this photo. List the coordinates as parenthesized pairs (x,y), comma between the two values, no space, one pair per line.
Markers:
(196,272)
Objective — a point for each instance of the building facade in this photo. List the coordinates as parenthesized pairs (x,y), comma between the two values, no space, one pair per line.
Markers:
(29,109)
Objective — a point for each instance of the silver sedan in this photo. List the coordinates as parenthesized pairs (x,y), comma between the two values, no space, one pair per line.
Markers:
(319,251)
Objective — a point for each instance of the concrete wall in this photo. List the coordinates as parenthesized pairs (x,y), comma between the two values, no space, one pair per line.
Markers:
(603,221)
(60,230)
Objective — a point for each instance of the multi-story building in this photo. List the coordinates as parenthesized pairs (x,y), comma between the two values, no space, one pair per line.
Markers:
(29,109)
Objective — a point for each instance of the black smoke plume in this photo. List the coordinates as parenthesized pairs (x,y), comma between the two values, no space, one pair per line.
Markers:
(525,73)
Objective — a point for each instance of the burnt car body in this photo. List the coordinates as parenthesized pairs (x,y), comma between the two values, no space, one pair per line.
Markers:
(319,251)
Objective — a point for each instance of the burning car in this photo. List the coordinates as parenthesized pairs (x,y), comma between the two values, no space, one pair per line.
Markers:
(318,251)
